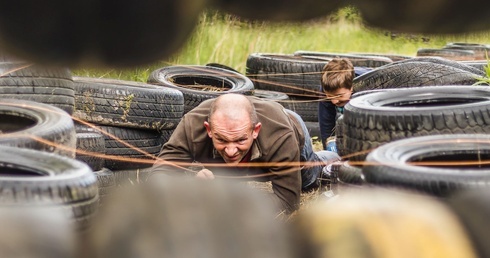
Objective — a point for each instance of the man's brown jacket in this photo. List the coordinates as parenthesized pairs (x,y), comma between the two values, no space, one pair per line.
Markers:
(275,154)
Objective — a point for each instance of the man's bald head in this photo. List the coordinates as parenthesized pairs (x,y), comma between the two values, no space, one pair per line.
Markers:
(233,106)
(232,126)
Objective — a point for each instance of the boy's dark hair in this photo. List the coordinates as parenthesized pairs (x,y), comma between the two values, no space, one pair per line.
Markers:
(336,74)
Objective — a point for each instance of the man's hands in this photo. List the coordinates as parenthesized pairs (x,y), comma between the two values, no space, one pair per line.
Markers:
(205,174)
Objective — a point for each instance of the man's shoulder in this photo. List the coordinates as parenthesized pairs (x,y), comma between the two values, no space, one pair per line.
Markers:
(265,105)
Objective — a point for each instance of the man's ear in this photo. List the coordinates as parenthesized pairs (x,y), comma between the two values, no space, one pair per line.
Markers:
(208,129)
(256,130)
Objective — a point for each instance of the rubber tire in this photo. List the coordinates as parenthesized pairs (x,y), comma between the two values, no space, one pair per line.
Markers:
(122,35)
(370,222)
(306,108)
(377,118)
(395,164)
(191,218)
(45,84)
(271,95)
(442,61)
(293,75)
(277,10)
(37,231)
(32,177)
(350,174)
(481,50)
(277,96)
(125,142)
(127,104)
(414,16)
(339,137)
(313,130)
(393,57)
(356,60)
(132,176)
(94,144)
(448,53)
(106,182)
(184,79)
(480,65)
(222,66)
(473,209)
(39,126)
(413,74)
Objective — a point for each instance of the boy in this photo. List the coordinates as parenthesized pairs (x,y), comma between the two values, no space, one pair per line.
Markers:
(336,82)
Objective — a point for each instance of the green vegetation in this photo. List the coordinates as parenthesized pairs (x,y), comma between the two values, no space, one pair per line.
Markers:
(225,39)
(485,80)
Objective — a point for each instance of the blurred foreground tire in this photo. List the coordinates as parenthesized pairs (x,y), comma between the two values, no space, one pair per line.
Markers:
(473,209)
(97,33)
(376,223)
(176,217)
(277,10)
(36,232)
(418,16)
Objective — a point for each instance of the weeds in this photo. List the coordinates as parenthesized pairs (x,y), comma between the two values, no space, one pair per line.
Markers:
(486,79)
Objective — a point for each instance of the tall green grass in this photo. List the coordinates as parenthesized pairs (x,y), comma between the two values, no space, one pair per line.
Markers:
(228,40)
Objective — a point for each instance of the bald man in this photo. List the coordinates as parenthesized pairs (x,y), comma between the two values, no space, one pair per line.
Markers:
(246,137)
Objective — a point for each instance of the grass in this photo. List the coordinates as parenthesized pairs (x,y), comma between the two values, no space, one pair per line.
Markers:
(485,80)
(228,40)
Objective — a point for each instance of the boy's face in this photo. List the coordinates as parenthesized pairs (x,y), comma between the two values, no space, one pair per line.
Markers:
(339,97)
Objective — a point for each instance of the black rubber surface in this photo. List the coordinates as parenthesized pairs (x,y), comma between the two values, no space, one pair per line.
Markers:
(439,165)
(198,83)
(374,119)
(127,104)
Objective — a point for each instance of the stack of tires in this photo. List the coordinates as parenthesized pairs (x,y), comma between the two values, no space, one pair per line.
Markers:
(403,101)
(122,125)
(38,144)
(298,75)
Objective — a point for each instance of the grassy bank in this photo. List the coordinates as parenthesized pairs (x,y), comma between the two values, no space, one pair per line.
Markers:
(227,40)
